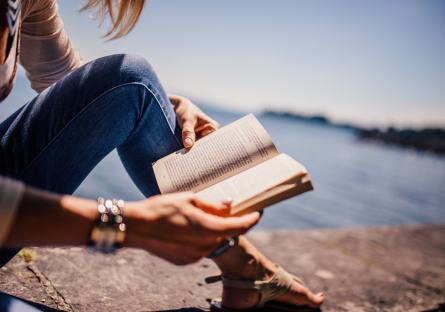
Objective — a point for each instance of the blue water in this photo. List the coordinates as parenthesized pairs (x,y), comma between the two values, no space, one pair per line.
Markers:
(356,183)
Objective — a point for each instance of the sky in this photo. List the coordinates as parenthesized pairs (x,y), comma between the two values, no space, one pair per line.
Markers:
(379,62)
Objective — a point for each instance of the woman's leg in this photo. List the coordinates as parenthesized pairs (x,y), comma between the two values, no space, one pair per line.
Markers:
(55,140)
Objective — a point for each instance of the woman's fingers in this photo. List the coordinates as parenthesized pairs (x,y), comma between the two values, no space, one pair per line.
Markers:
(205,130)
(230,226)
(188,131)
(195,124)
(216,221)
(178,253)
(209,120)
(228,201)
(222,210)
(204,122)
(205,125)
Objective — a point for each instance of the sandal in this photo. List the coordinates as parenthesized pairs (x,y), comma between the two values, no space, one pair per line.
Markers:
(278,285)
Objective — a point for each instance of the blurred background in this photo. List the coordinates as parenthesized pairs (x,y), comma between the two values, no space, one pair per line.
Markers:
(319,76)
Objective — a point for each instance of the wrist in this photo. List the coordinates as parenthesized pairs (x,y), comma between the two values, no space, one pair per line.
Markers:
(85,208)
(141,218)
(131,210)
(137,216)
(141,212)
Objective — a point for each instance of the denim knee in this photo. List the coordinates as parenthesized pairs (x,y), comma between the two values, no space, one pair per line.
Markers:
(122,70)
(137,69)
(134,69)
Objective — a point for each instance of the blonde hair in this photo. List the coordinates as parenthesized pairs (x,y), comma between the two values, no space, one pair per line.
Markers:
(124,14)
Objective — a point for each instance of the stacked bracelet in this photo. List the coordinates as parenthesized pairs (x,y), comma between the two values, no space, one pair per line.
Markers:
(226,244)
(108,232)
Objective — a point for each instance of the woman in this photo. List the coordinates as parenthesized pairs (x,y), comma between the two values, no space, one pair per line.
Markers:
(82,113)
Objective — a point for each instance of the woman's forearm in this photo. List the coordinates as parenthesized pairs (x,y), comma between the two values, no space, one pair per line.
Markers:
(47,219)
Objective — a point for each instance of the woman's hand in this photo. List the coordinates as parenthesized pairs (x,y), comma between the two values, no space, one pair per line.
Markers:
(180,227)
(193,122)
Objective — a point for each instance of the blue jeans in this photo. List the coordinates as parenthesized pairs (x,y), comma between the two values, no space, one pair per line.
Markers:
(56,139)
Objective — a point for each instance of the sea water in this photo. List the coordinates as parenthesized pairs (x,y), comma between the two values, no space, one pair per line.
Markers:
(356,183)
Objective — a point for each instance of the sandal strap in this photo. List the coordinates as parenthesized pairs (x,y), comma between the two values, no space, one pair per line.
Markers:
(213,279)
(250,285)
(278,285)
(253,285)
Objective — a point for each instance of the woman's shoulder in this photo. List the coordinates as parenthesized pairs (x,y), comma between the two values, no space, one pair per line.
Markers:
(37,9)
(9,24)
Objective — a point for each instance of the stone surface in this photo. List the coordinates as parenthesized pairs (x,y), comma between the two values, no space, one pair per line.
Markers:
(373,269)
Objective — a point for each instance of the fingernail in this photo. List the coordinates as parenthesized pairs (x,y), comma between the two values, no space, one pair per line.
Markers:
(256,214)
(228,201)
(188,142)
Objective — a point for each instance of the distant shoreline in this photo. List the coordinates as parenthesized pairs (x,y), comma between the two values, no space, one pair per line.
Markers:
(426,139)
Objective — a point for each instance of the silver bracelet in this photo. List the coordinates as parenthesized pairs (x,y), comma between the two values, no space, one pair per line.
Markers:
(108,232)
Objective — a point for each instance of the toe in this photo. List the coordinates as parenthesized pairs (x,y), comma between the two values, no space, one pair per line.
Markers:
(306,297)
(300,295)
(315,300)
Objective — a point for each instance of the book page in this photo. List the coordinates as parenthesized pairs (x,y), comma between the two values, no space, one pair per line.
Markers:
(256,181)
(290,188)
(222,154)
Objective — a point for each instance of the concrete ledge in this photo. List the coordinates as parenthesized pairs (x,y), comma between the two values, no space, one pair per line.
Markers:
(374,269)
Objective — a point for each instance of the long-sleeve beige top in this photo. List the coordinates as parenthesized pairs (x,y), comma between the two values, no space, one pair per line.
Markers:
(45,51)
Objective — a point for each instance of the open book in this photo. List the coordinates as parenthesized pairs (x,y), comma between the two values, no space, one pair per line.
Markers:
(238,161)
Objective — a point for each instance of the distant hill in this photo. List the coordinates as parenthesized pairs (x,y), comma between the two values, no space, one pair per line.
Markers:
(428,139)
(318,119)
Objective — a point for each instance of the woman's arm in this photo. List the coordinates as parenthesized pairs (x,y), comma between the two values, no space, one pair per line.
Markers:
(46,219)
(46,52)
(179,227)
(4,31)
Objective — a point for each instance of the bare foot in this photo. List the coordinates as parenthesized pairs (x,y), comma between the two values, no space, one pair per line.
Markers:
(245,262)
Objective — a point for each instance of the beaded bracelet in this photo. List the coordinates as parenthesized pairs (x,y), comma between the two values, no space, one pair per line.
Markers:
(108,232)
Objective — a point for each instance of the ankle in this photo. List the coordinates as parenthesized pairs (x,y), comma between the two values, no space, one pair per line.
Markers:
(250,266)
(245,270)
